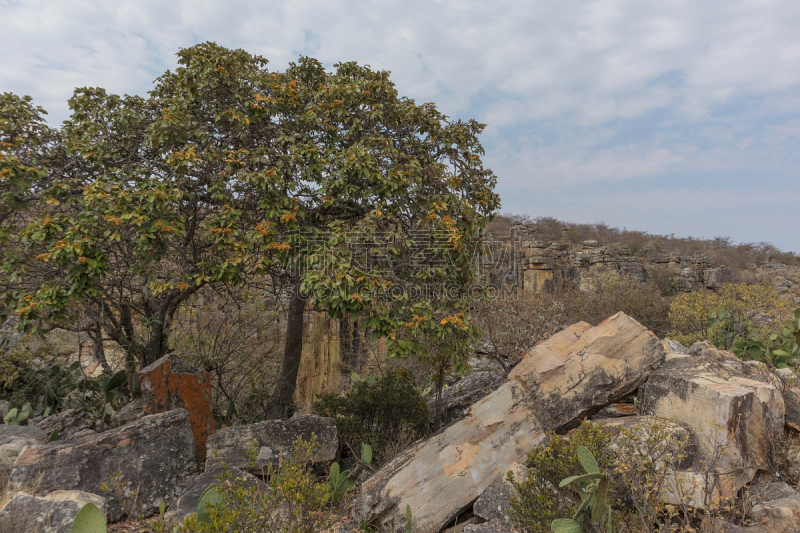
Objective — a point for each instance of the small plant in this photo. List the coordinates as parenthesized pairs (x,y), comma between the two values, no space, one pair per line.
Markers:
(340,481)
(593,491)
(408,518)
(120,490)
(15,416)
(538,500)
(89,519)
(210,499)
(296,502)
(737,333)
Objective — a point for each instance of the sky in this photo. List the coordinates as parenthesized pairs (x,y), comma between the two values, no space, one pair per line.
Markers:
(667,116)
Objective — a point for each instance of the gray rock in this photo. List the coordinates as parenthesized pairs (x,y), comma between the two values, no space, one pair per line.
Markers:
(132,411)
(68,423)
(275,439)
(767,492)
(9,433)
(154,454)
(493,503)
(53,513)
(675,347)
(187,503)
(457,398)
(12,440)
(487,527)
(8,455)
(5,407)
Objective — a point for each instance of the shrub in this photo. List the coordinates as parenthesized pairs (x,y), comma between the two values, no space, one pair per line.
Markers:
(689,313)
(538,500)
(614,292)
(297,501)
(377,412)
(515,322)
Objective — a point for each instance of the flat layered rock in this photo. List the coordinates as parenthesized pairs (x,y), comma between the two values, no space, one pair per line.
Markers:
(153,453)
(561,380)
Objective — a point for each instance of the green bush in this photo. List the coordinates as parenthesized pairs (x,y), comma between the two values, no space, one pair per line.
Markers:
(539,500)
(296,502)
(376,412)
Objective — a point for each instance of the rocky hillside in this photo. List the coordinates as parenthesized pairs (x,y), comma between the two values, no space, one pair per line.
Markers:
(737,421)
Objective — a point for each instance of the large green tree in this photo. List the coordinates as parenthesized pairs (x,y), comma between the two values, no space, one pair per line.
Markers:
(327,183)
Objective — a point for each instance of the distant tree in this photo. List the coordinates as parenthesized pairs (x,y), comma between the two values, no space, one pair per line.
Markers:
(321,181)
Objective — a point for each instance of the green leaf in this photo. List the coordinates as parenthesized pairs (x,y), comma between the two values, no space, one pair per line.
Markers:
(89,519)
(587,460)
(211,497)
(334,473)
(408,518)
(53,436)
(566,525)
(161,507)
(583,477)
(116,381)
(366,453)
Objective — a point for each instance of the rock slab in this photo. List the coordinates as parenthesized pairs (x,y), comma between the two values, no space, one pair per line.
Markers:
(561,380)
(172,383)
(154,454)
(275,440)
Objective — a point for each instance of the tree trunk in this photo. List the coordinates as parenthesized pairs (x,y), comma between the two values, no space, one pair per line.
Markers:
(280,404)
(96,334)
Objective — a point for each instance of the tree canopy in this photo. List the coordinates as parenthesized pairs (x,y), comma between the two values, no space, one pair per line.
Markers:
(326,182)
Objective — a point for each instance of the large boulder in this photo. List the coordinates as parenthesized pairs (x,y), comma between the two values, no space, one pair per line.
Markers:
(153,454)
(571,375)
(172,383)
(734,410)
(275,440)
(53,513)
(186,504)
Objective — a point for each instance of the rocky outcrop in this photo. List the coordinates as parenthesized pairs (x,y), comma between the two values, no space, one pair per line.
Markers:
(736,417)
(560,381)
(172,383)
(187,503)
(275,440)
(153,454)
(54,513)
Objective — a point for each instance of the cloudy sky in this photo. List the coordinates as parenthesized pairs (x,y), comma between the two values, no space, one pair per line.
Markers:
(669,116)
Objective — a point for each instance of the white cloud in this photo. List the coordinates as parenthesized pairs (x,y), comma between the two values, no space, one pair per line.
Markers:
(607,91)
